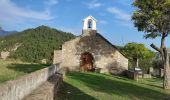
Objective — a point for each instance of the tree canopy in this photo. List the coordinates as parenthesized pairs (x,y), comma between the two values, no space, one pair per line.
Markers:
(137,50)
(152,17)
(138,55)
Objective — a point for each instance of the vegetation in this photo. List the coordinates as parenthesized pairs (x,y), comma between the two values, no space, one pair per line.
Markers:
(157,61)
(93,86)
(35,44)
(153,17)
(12,69)
(138,55)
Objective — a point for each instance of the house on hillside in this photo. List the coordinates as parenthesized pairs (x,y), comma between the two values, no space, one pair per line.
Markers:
(91,51)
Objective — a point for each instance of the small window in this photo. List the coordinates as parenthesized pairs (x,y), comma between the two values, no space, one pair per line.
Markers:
(89,24)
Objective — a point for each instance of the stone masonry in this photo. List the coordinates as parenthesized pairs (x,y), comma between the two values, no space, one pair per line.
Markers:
(90,51)
(106,56)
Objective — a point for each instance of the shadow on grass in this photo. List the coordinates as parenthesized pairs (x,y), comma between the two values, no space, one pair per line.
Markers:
(118,87)
(26,68)
(154,82)
(68,92)
(153,85)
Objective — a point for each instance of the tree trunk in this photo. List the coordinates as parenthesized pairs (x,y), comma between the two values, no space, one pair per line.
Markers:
(166,83)
(165,60)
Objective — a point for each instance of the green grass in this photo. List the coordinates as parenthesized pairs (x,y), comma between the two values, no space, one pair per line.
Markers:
(93,86)
(10,70)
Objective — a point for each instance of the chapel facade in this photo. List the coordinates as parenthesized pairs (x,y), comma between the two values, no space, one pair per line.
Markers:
(89,51)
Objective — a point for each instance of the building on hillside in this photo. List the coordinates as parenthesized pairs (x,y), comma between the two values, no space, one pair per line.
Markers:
(90,51)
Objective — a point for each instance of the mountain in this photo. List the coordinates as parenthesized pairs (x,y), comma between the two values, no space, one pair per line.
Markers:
(34,45)
(6,33)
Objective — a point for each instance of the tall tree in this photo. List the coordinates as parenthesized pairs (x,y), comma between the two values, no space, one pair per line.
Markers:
(135,51)
(153,18)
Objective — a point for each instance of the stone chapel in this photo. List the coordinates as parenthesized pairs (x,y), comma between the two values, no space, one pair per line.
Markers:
(90,50)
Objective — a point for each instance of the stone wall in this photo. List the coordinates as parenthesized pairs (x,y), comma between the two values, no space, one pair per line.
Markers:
(57,56)
(106,56)
(17,89)
(48,90)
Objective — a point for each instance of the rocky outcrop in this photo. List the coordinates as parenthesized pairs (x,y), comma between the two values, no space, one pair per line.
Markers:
(6,53)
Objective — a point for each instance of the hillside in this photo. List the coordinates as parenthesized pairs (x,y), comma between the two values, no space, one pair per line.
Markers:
(34,45)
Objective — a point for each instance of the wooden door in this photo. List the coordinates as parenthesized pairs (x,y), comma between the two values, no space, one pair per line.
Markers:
(86,61)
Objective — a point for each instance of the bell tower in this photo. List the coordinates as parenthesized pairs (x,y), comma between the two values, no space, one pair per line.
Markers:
(89,25)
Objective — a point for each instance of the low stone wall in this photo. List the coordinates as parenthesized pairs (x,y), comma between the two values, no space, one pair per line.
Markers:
(48,90)
(19,88)
(133,75)
(147,76)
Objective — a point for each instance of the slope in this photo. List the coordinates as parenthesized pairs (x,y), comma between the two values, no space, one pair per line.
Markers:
(33,45)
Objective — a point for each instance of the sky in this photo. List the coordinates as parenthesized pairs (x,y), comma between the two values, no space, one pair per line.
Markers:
(113,18)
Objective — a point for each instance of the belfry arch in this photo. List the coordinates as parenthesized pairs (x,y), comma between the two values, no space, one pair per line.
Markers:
(90,24)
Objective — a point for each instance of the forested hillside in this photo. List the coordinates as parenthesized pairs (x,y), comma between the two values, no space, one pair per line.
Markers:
(33,45)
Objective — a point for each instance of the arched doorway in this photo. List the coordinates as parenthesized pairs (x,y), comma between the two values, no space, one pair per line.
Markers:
(86,61)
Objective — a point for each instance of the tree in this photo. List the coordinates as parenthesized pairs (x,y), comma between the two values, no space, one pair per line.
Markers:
(153,18)
(134,51)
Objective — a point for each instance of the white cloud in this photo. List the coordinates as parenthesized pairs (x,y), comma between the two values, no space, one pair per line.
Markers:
(102,22)
(94,4)
(119,14)
(10,13)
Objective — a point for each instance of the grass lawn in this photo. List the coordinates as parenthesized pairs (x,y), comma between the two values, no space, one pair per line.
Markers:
(11,69)
(93,86)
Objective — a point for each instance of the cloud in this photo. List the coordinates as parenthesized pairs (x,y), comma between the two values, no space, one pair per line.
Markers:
(102,22)
(10,13)
(119,14)
(125,2)
(51,2)
(94,4)
(122,17)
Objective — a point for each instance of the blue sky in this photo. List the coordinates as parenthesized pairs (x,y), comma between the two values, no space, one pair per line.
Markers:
(114,17)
